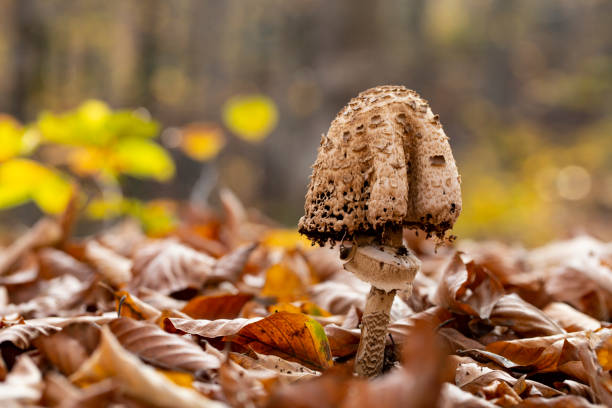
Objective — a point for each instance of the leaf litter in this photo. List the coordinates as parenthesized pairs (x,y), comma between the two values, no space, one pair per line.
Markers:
(233,311)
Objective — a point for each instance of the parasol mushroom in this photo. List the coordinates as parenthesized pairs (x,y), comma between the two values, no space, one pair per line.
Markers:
(384,164)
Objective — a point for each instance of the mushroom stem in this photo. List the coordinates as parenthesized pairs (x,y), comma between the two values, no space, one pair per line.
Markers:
(371,351)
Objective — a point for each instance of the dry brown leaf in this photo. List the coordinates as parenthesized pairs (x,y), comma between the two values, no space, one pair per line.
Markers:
(23,385)
(292,336)
(116,269)
(136,379)
(54,262)
(168,266)
(162,349)
(270,367)
(130,306)
(231,266)
(523,318)
(600,380)
(208,328)
(545,354)
(123,238)
(336,297)
(468,288)
(64,352)
(22,334)
(454,397)
(569,318)
(565,401)
(59,392)
(45,232)
(213,307)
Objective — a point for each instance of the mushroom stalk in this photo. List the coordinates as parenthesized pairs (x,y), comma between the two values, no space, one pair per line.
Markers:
(388,267)
(371,352)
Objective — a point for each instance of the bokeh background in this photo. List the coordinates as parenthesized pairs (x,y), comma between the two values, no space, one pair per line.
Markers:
(523,89)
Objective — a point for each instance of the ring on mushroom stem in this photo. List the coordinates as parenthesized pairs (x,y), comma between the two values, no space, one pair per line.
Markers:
(384,164)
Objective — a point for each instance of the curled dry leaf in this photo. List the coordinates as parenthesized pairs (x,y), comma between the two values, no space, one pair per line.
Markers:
(468,288)
(162,349)
(54,262)
(113,267)
(130,306)
(23,385)
(208,328)
(523,318)
(230,266)
(565,401)
(168,266)
(569,318)
(292,336)
(22,334)
(336,297)
(44,233)
(270,367)
(454,397)
(135,378)
(547,354)
(66,353)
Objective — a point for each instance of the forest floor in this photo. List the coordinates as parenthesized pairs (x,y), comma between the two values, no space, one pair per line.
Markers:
(229,310)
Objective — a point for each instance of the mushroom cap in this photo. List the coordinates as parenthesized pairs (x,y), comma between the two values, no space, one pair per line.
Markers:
(385,161)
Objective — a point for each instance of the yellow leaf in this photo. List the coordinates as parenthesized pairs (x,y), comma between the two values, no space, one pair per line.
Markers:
(87,161)
(286,239)
(283,284)
(250,117)
(292,336)
(14,139)
(143,158)
(22,180)
(202,141)
(305,307)
(182,379)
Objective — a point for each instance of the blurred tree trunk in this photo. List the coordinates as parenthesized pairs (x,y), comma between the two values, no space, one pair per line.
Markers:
(29,49)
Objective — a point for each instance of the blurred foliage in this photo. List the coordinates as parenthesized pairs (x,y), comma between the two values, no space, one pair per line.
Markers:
(523,89)
(104,143)
(202,141)
(157,217)
(250,117)
(22,180)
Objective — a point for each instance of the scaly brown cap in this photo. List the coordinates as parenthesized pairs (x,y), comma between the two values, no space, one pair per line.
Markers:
(385,161)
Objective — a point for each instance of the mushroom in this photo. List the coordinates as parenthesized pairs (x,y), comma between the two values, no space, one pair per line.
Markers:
(384,164)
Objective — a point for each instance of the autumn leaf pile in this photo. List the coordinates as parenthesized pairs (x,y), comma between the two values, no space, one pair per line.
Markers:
(230,310)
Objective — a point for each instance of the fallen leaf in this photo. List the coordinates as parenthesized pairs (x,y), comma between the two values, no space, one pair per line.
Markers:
(209,328)
(130,306)
(569,318)
(44,232)
(292,336)
(468,288)
(168,266)
(136,379)
(23,385)
(283,284)
(115,268)
(523,318)
(161,349)
(454,397)
(231,265)
(216,306)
